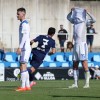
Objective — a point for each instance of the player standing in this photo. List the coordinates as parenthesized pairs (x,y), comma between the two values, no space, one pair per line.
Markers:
(45,43)
(24,49)
(77,16)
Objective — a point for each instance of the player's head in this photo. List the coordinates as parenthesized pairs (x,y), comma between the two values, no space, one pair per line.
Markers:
(61,26)
(21,13)
(51,31)
(91,25)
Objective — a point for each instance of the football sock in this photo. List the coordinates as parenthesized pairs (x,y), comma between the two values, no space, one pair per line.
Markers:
(27,79)
(31,75)
(23,78)
(87,76)
(76,74)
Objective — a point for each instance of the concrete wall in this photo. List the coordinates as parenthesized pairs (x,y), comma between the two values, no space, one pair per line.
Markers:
(41,14)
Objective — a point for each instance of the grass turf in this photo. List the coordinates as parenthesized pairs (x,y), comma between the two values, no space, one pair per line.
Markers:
(51,90)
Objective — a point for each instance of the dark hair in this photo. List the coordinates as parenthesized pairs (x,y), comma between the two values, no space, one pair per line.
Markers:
(51,31)
(69,43)
(91,24)
(61,25)
(21,9)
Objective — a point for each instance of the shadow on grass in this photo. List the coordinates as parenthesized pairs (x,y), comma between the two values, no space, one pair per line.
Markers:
(68,96)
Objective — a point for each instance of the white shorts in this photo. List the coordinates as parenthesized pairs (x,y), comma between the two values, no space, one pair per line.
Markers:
(80,52)
(24,57)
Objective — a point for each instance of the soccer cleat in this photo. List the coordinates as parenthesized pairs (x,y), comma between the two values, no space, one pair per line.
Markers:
(19,89)
(32,83)
(28,88)
(73,86)
(86,86)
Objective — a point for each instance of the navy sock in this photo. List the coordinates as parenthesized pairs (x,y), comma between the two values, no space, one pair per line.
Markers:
(31,75)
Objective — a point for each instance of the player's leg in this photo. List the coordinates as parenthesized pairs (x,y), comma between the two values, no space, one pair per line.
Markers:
(75,72)
(35,64)
(87,73)
(27,75)
(91,43)
(62,45)
(31,72)
(23,77)
(24,73)
(75,68)
(83,58)
(32,69)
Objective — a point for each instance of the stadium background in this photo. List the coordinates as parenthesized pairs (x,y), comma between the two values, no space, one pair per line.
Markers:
(42,14)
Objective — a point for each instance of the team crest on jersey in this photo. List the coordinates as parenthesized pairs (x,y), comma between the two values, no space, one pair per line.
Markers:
(83,56)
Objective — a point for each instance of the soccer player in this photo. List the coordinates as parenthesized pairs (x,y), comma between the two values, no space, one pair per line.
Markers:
(77,17)
(24,49)
(45,43)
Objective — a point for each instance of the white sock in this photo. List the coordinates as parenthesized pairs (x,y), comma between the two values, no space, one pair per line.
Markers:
(76,74)
(27,79)
(23,79)
(87,77)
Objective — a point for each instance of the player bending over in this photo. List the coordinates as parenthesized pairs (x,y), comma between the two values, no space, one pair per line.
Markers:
(24,49)
(45,43)
(77,17)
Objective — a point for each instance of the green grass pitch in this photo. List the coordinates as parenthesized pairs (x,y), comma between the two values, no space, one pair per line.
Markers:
(51,90)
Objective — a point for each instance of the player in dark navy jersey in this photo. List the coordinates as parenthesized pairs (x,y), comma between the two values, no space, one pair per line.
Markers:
(45,43)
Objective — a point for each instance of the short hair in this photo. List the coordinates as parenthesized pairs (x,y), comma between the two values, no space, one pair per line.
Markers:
(22,9)
(61,25)
(91,24)
(51,31)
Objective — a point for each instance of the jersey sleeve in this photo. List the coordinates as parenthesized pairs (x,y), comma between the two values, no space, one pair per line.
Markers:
(69,17)
(37,39)
(53,44)
(25,30)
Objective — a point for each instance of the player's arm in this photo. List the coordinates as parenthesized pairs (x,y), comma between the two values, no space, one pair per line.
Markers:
(69,16)
(31,42)
(35,40)
(53,49)
(92,19)
(24,38)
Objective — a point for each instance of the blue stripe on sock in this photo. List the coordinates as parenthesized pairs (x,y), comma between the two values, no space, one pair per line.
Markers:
(23,71)
(87,71)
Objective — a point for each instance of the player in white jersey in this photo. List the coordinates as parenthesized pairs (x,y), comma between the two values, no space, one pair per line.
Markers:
(77,17)
(24,49)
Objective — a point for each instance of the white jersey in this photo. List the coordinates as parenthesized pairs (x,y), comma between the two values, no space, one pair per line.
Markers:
(24,33)
(24,41)
(79,32)
(80,18)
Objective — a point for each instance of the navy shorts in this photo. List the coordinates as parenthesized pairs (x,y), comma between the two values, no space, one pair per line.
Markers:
(36,62)
(90,40)
(62,43)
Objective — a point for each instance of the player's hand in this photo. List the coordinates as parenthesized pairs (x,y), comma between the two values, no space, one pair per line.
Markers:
(31,42)
(18,51)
